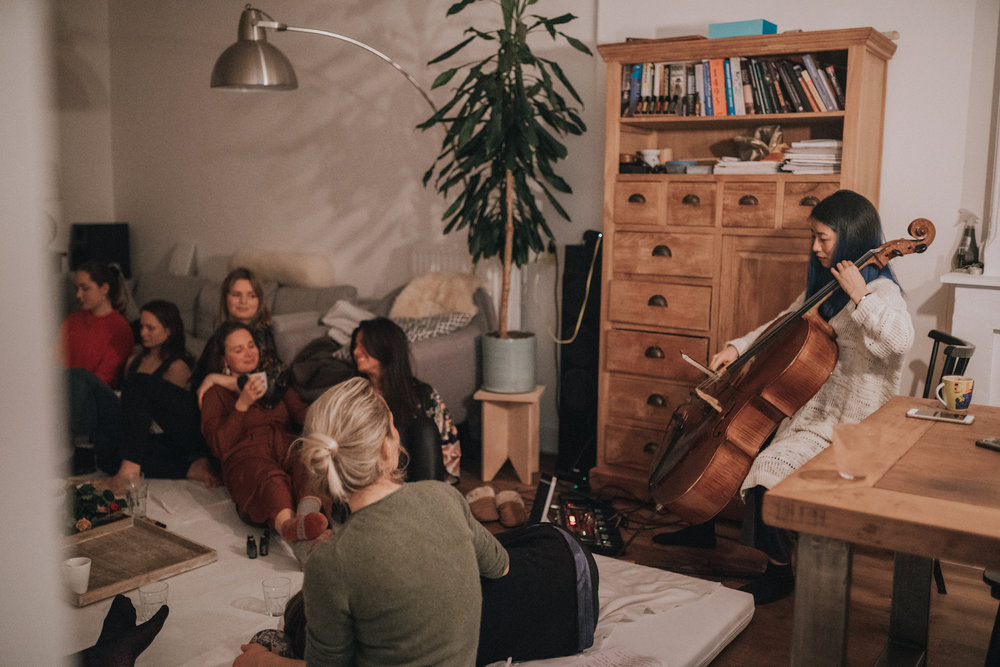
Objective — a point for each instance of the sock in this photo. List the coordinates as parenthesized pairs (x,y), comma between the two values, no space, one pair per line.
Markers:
(701,535)
(777,583)
(307,527)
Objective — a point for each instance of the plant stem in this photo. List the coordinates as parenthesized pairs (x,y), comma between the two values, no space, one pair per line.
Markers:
(508,251)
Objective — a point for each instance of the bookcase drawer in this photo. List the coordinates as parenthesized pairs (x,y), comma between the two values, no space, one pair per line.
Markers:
(648,401)
(690,203)
(660,304)
(637,203)
(749,204)
(630,446)
(657,254)
(799,199)
(654,354)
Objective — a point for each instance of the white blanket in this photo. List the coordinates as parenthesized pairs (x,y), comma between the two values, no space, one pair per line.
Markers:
(648,616)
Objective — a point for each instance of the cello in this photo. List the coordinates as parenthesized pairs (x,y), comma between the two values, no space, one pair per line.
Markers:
(713,439)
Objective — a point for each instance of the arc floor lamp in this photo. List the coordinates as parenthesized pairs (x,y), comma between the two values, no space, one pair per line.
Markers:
(254,64)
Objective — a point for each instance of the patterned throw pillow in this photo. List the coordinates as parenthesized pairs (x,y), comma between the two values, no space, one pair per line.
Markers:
(420,328)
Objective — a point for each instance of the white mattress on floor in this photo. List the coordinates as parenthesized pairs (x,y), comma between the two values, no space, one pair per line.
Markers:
(669,618)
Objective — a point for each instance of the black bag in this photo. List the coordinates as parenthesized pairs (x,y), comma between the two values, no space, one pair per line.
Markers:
(547,605)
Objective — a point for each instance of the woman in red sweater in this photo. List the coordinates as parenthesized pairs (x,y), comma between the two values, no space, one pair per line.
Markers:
(96,341)
(251,438)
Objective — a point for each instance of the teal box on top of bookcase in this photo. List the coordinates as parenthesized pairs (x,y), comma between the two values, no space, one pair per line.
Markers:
(741,28)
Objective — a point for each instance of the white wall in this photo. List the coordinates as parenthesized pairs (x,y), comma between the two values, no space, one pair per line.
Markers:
(30,404)
(335,166)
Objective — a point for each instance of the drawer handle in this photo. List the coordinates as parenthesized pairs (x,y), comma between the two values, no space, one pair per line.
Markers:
(691,200)
(636,198)
(662,251)
(809,201)
(657,301)
(748,200)
(656,400)
(654,352)
(650,448)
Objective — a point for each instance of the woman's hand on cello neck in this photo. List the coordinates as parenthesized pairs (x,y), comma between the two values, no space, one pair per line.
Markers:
(851,280)
(723,358)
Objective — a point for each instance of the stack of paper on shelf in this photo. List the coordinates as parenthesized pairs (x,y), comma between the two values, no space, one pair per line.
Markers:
(731,165)
(815,156)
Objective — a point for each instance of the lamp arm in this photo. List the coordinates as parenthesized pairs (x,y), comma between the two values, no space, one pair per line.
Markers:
(281,27)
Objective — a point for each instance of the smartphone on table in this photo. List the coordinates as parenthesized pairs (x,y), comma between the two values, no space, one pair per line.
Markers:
(940,415)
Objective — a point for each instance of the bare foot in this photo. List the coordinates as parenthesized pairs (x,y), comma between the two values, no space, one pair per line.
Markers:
(201,471)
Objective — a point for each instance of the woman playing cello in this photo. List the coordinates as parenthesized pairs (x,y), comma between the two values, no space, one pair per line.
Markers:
(874,332)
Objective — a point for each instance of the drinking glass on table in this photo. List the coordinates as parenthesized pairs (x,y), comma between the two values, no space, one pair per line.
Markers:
(853,446)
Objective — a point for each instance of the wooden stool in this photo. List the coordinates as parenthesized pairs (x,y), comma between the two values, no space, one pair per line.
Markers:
(510,430)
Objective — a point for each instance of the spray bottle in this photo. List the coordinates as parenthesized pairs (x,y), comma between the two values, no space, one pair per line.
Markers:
(968,250)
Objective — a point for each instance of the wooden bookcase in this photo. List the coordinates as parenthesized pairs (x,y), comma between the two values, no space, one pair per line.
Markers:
(691,261)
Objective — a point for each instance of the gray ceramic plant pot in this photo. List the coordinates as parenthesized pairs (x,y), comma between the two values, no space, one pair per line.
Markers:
(509,363)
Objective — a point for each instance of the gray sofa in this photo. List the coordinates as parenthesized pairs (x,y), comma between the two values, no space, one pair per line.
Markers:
(449,363)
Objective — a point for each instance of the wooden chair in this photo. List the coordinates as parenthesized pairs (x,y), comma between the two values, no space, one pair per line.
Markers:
(956,353)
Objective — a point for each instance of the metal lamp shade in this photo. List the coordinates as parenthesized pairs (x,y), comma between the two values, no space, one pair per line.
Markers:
(251,63)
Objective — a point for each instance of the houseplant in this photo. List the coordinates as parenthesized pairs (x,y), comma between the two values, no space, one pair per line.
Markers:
(502,128)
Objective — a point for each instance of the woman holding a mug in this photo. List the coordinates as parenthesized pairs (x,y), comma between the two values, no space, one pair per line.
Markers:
(874,333)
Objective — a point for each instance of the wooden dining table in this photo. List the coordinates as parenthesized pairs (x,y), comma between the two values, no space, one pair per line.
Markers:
(929,492)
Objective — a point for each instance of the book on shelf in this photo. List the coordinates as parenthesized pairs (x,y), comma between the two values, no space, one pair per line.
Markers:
(717,74)
(691,99)
(819,80)
(699,87)
(706,104)
(794,97)
(807,85)
(782,103)
(739,106)
(766,87)
(676,86)
(838,90)
(635,87)
(748,101)
(730,94)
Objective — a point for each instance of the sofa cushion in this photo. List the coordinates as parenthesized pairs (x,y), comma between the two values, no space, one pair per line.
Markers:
(182,291)
(291,299)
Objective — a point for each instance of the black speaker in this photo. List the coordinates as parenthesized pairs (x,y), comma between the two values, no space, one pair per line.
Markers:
(106,241)
(579,358)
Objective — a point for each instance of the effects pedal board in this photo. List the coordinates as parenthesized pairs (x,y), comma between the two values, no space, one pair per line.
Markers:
(592,521)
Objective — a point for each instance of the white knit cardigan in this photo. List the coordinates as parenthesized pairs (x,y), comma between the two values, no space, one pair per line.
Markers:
(873,338)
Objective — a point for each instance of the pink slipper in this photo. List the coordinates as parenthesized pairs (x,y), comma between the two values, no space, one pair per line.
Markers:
(307,527)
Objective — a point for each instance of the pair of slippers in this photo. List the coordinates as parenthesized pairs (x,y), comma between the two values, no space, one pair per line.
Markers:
(308,523)
(507,507)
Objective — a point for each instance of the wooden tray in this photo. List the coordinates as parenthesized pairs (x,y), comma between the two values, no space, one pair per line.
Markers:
(128,553)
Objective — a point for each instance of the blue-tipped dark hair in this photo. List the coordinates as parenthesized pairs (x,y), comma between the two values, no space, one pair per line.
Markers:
(859,229)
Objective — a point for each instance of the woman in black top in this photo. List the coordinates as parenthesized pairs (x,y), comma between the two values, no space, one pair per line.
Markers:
(382,354)
(161,425)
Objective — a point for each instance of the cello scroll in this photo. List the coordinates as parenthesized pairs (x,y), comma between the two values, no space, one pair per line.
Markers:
(922,231)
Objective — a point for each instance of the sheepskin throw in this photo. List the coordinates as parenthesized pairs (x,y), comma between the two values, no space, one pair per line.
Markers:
(435,294)
(288,268)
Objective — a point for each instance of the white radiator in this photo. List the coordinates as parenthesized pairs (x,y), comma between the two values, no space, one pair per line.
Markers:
(455,258)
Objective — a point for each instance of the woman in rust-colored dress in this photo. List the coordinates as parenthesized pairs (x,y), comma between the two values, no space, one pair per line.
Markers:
(249,431)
